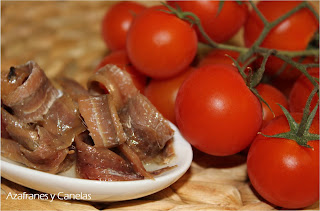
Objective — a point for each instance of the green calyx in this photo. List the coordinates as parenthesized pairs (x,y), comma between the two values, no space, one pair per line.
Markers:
(252,79)
(299,132)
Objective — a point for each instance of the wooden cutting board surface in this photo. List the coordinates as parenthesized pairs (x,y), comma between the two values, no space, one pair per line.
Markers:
(64,39)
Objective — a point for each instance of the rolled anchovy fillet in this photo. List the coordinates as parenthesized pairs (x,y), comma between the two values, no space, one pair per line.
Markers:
(28,92)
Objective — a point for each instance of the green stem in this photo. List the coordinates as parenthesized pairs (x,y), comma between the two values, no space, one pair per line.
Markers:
(299,66)
(311,65)
(268,26)
(263,19)
(241,69)
(303,125)
(212,43)
(298,132)
(292,54)
(257,77)
(311,8)
(248,62)
(248,52)
(244,50)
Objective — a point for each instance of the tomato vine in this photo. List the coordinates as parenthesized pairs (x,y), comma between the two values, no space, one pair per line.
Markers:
(298,132)
(246,53)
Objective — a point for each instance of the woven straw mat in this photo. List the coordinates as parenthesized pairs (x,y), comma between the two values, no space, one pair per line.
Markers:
(64,39)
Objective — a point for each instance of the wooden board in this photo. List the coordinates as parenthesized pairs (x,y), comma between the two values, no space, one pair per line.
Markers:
(64,39)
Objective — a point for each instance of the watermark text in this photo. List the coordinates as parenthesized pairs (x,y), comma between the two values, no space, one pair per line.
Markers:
(47,196)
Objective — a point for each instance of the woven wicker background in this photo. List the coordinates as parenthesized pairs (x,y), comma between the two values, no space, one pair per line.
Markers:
(64,39)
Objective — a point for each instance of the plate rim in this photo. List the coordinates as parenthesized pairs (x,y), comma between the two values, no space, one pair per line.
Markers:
(184,163)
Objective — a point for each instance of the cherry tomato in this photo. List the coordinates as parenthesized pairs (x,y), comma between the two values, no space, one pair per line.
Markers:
(283,85)
(216,112)
(116,23)
(292,34)
(120,58)
(301,91)
(160,45)
(163,93)
(219,56)
(274,67)
(273,97)
(220,27)
(283,172)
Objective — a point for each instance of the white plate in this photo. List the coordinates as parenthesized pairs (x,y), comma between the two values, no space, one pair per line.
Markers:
(66,185)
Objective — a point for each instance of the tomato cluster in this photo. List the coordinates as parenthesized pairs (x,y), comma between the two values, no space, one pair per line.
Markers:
(209,99)
(294,33)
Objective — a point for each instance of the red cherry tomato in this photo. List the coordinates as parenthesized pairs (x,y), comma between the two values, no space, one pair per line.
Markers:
(283,172)
(220,27)
(120,58)
(163,93)
(301,91)
(219,56)
(283,85)
(292,34)
(216,112)
(273,97)
(274,67)
(116,23)
(160,45)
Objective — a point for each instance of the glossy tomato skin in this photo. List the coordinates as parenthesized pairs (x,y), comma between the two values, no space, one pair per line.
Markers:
(273,97)
(216,112)
(218,56)
(161,45)
(116,23)
(163,93)
(221,56)
(120,58)
(220,27)
(300,92)
(283,172)
(274,67)
(293,34)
